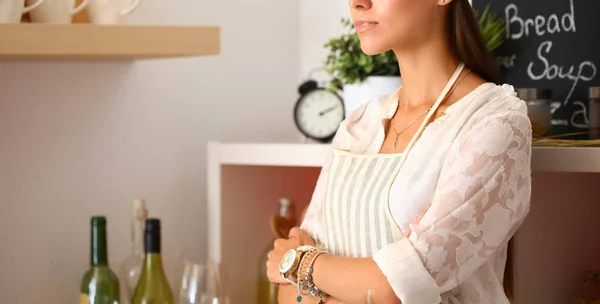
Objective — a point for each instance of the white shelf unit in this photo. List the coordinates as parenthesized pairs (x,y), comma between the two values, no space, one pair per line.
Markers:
(547,159)
(552,248)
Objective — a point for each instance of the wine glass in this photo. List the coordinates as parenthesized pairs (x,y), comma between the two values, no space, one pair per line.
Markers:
(200,284)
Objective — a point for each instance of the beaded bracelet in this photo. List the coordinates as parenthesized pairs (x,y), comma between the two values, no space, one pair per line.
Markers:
(299,277)
(304,276)
(313,290)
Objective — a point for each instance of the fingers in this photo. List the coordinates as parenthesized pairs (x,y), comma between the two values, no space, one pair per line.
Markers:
(295,232)
(422,214)
(272,255)
(280,247)
(280,243)
(273,272)
(417,221)
(407,233)
(301,235)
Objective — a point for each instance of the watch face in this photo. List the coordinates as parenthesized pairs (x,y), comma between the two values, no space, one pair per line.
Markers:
(319,113)
(287,261)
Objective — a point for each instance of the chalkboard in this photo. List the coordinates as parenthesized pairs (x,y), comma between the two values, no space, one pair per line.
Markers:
(552,44)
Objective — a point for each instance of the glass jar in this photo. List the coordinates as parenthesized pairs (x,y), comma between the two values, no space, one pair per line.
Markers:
(538,109)
(594,112)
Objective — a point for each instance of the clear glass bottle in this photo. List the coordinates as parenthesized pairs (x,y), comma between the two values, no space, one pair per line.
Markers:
(594,112)
(539,109)
(130,270)
(267,293)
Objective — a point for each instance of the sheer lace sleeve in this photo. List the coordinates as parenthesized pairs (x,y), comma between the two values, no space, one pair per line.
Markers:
(482,197)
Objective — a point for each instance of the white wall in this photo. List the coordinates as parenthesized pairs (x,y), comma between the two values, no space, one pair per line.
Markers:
(78,139)
(319,21)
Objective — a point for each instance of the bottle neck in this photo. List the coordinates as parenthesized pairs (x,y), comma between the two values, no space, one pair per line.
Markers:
(152,247)
(153,262)
(98,250)
(152,242)
(137,235)
(286,211)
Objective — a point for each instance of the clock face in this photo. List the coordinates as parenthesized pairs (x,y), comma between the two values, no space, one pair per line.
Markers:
(319,114)
(287,261)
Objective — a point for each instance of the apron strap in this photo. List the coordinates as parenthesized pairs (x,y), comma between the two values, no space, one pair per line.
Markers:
(416,136)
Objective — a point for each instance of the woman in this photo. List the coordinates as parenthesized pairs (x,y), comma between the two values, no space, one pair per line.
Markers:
(422,191)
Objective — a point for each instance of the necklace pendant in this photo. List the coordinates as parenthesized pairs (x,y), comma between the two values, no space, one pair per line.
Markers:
(395,143)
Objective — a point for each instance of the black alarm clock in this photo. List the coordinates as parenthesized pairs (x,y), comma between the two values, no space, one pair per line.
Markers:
(318,112)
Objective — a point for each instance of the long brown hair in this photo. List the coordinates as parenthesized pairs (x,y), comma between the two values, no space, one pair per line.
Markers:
(468,42)
(470,47)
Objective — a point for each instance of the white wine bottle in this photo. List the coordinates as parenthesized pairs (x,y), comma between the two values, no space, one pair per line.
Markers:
(130,270)
(100,285)
(153,286)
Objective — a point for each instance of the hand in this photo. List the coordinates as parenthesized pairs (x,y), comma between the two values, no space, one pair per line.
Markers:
(417,220)
(297,238)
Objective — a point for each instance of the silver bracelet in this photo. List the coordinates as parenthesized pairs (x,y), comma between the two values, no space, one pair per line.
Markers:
(289,280)
(306,282)
(299,278)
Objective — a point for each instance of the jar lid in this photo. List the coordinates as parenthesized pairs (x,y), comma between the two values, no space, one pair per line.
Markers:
(533,93)
(594,92)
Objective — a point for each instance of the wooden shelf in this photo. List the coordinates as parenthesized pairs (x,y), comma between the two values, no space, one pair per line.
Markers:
(30,41)
(547,159)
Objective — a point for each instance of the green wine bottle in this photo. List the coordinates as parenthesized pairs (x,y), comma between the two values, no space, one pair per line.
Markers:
(153,286)
(100,285)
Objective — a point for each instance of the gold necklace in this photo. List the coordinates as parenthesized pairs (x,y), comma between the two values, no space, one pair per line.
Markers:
(405,128)
(395,143)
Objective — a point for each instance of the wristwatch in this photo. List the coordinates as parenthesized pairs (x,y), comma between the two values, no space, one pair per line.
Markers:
(290,260)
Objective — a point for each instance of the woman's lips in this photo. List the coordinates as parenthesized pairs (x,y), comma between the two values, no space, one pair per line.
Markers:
(364,25)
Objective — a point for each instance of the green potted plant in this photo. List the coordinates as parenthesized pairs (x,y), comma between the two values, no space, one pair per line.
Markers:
(359,76)
(362,77)
(349,65)
(493,29)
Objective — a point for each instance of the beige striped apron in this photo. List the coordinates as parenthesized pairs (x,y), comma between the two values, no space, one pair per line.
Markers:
(357,214)
(356,205)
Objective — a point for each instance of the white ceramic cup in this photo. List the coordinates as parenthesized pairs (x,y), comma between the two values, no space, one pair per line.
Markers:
(110,11)
(11,11)
(56,11)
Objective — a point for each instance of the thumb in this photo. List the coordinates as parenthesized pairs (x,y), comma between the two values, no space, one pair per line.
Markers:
(294,232)
(407,233)
(417,221)
(420,217)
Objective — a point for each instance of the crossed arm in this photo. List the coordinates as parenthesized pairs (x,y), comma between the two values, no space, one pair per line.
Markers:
(346,280)
(482,198)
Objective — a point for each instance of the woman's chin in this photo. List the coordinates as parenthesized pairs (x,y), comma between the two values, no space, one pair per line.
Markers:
(372,49)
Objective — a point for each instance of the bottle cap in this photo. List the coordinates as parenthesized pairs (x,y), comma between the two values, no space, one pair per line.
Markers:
(284,202)
(153,225)
(98,220)
(139,208)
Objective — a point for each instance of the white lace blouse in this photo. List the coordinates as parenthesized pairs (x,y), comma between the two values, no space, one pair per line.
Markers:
(474,166)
